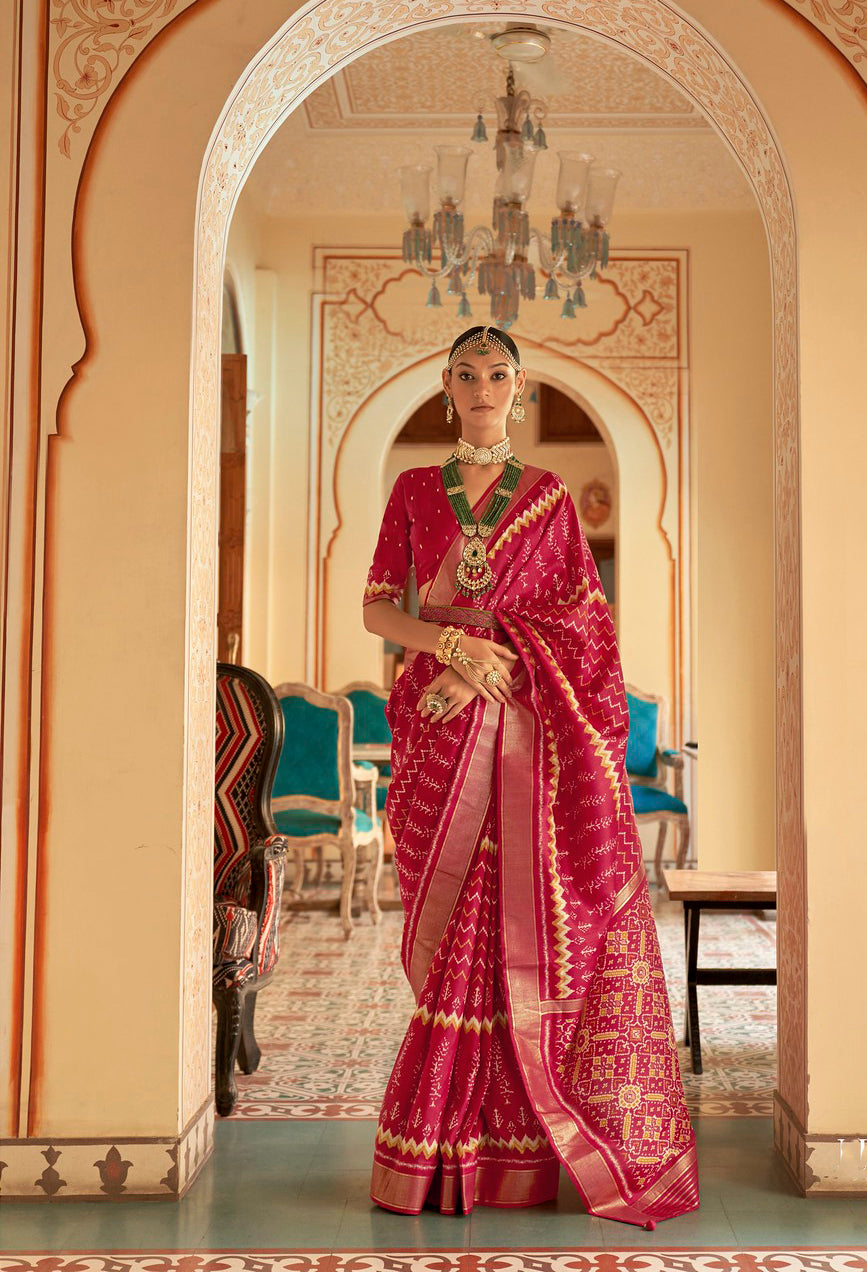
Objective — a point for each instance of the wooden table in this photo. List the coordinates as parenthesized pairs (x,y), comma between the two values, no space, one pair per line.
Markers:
(711,890)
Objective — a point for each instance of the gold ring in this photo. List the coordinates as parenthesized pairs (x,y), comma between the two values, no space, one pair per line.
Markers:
(493,677)
(436,702)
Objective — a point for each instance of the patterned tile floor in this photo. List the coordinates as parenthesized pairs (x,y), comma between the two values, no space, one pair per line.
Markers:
(287,1187)
(331,1021)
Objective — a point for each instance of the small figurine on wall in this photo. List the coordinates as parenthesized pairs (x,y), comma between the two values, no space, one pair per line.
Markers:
(595,502)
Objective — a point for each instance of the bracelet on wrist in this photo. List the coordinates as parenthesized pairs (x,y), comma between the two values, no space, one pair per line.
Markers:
(449,641)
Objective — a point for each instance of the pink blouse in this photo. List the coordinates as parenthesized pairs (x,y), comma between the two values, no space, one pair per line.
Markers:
(417,527)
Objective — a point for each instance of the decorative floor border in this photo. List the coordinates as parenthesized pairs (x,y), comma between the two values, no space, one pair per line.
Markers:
(634,1259)
(129,1167)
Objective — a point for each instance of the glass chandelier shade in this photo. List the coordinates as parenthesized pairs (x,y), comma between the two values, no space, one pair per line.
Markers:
(497,259)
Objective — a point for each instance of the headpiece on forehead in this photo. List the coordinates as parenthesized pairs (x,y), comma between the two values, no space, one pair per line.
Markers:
(485,340)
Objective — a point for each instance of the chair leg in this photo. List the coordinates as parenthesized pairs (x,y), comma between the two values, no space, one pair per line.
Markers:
(660,846)
(249,1053)
(683,846)
(350,859)
(374,873)
(229,1004)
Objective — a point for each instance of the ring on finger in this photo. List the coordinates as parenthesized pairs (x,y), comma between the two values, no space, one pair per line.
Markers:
(436,703)
(493,677)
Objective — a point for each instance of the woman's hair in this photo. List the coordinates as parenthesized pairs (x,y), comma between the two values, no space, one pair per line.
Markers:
(501,336)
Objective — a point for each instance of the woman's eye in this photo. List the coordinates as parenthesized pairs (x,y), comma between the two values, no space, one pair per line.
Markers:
(498,375)
(466,375)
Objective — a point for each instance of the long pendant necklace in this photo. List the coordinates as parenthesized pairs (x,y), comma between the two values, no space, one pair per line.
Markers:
(474,574)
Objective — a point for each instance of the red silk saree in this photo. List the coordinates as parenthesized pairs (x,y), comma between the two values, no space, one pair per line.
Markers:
(542,1033)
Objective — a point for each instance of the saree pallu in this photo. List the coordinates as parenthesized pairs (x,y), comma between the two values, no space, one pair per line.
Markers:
(542,1033)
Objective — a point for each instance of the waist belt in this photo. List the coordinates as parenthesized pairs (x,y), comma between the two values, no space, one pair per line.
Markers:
(458,614)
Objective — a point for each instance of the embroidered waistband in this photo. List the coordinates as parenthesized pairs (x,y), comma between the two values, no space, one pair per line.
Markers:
(458,614)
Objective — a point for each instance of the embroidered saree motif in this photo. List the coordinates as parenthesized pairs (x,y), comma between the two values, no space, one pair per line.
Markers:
(542,1033)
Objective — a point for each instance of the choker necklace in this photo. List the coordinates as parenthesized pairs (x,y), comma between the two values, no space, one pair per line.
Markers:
(496,454)
(474,574)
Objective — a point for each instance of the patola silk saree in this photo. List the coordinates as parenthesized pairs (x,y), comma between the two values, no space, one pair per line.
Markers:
(542,1033)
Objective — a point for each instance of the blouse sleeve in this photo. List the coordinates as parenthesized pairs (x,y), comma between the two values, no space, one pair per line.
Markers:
(393,556)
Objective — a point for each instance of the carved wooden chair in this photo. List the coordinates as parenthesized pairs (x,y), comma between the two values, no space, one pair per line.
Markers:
(369,726)
(249,860)
(317,794)
(648,766)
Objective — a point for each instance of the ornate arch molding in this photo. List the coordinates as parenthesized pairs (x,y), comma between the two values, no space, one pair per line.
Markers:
(311,46)
(630,437)
(93,45)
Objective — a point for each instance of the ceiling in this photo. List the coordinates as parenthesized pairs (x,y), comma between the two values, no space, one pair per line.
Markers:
(341,149)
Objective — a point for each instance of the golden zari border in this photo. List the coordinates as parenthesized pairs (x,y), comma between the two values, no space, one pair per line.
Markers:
(457,835)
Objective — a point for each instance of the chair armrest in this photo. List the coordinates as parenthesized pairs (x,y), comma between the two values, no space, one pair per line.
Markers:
(674,760)
(365,777)
(267,868)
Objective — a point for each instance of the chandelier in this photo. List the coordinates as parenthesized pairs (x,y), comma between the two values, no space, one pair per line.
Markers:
(497,259)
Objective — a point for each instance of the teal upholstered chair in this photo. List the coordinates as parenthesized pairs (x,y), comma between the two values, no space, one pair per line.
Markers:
(648,767)
(314,801)
(370,727)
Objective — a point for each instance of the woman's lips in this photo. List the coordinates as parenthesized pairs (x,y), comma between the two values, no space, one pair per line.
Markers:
(483,408)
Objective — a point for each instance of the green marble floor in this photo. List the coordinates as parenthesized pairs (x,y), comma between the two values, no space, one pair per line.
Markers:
(290,1186)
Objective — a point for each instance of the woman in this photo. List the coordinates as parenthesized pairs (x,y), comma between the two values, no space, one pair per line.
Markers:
(542,1033)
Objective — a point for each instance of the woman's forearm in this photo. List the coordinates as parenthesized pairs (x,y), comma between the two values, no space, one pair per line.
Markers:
(384,619)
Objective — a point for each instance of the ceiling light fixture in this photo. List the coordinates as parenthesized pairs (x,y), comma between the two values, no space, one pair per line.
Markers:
(497,259)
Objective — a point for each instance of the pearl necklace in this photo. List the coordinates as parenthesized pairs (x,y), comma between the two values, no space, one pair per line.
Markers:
(496,454)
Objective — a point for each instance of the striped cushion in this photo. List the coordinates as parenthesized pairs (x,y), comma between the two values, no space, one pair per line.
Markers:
(234,931)
(233,975)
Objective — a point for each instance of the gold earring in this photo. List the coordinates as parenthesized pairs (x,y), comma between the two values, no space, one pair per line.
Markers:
(450,412)
(517,412)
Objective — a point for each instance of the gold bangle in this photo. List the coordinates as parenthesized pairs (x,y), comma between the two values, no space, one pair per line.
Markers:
(448,642)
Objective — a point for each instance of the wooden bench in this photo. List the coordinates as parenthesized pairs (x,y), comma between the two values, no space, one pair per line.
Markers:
(711,890)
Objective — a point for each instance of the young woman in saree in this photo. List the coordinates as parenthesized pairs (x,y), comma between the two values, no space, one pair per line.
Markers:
(542,1033)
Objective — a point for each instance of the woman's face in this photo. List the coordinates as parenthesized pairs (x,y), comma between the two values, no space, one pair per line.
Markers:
(483,388)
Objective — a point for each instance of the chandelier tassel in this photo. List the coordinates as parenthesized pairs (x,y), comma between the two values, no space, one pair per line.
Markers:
(456,286)
(479,133)
(552,291)
(579,298)
(568,310)
(434,300)
(464,310)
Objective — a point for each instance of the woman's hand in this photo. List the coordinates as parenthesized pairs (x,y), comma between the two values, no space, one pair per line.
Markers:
(493,656)
(454,688)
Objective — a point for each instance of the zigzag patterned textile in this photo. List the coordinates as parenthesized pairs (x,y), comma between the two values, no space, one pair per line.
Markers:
(542,1034)
(240,731)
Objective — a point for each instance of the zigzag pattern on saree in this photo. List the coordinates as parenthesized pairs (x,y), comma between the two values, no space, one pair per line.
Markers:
(429,1147)
(599,745)
(469,1024)
(526,518)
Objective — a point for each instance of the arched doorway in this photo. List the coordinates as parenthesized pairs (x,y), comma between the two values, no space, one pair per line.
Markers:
(306,51)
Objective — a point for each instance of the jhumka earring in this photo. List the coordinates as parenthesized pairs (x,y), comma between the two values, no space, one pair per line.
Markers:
(517,412)
(450,412)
